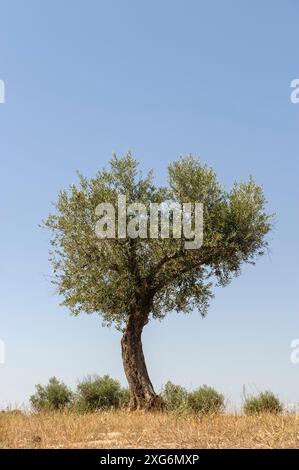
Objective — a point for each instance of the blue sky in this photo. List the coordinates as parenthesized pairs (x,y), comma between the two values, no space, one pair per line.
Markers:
(85,79)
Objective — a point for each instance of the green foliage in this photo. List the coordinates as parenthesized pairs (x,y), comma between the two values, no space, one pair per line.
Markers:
(108,276)
(54,396)
(205,400)
(124,398)
(174,397)
(264,402)
(101,393)
(202,400)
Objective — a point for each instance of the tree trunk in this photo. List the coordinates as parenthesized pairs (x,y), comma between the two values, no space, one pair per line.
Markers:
(143,395)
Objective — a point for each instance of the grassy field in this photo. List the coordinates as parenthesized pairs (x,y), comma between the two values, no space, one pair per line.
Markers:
(151,430)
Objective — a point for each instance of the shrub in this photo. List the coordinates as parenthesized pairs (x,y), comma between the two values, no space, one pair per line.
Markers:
(264,402)
(53,396)
(125,397)
(174,397)
(205,400)
(100,393)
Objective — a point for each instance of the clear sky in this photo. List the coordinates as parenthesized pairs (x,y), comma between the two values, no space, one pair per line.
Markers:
(162,78)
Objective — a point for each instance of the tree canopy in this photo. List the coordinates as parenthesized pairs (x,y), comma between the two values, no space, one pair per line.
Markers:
(107,276)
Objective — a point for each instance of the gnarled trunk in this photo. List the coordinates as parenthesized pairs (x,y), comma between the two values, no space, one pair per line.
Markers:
(143,395)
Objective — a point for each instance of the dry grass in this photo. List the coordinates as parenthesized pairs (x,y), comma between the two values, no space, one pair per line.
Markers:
(140,430)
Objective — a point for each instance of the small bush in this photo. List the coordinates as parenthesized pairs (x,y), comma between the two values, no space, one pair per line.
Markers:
(54,396)
(174,397)
(205,400)
(264,402)
(100,393)
(125,397)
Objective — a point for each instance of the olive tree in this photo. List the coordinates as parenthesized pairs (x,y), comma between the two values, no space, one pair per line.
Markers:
(131,280)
